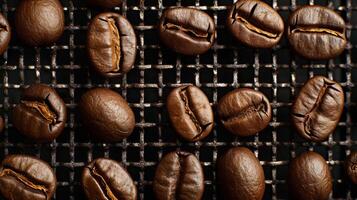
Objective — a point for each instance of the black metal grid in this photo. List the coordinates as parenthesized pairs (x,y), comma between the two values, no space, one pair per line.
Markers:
(278,73)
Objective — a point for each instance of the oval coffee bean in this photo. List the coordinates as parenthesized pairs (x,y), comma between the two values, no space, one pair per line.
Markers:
(187,31)
(25,177)
(105,3)
(179,176)
(309,177)
(43,107)
(244,111)
(5,34)
(240,175)
(190,112)
(39,22)
(318,108)
(107,179)
(351,167)
(106,115)
(111,44)
(316,32)
(255,24)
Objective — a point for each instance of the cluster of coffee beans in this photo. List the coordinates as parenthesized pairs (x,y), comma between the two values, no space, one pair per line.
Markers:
(314,32)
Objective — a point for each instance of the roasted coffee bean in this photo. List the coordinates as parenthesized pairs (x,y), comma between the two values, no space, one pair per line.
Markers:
(39,22)
(105,3)
(244,111)
(190,112)
(351,167)
(179,176)
(111,44)
(309,177)
(316,32)
(240,175)
(5,34)
(318,108)
(104,179)
(25,177)
(255,23)
(44,109)
(187,31)
(2,124)
(106,115)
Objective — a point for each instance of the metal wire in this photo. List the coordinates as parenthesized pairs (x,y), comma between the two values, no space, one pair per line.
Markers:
(278,73)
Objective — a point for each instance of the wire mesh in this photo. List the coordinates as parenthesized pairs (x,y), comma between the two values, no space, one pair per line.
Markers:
(277,72)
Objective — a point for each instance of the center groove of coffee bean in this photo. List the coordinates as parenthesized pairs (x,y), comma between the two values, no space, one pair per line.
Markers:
(179,179)
(353,166)
(24,180)
(192,33)
(43,109)
(99,178)
(247,111)
(317,30)
(188,110)
(3,27)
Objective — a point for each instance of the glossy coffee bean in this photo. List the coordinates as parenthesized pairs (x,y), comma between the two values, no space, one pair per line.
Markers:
(351,167)
(244,111)
(44,109)
(39,22)
(105,3)
(2,124)
(179,176)
(318,108)
(111,44)
(5,34)
(187,31)
(316,32)
(104,179)
(106,115)
(25,177)
(309,177)
(190,112)
(240,175)
(255,24)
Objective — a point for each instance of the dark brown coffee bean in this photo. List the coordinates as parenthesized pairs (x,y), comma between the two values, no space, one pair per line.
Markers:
(104,179)
(316,32)
(179,176)
(244,111)
(43,107)
(25,177)
(2,124)
(39,22)
(309,177)
(255,23)
(105,3)
(106,115)
(111,44)
(240,175)
(190,112)
(5,34)
(318,108)
(351,167)
(186,30)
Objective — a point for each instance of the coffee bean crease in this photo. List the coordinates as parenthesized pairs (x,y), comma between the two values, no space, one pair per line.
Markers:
(101,181)
(43,109)
(190,31)
(255,108)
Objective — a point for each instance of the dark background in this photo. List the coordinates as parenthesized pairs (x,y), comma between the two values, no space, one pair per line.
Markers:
(277,72)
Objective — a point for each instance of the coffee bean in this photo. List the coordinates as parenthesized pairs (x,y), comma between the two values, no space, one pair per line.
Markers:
(255,24)
(179,176)
(187,31)
(111,44)
(2,124)
(105,3)
(107,179)
(106,115)
(351,167)
(190,112)
(240,175)
(5,34)
(39,22)
(309,177)
(316,32)
(244,111)
(318,108)
(43,107)
(25,177)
